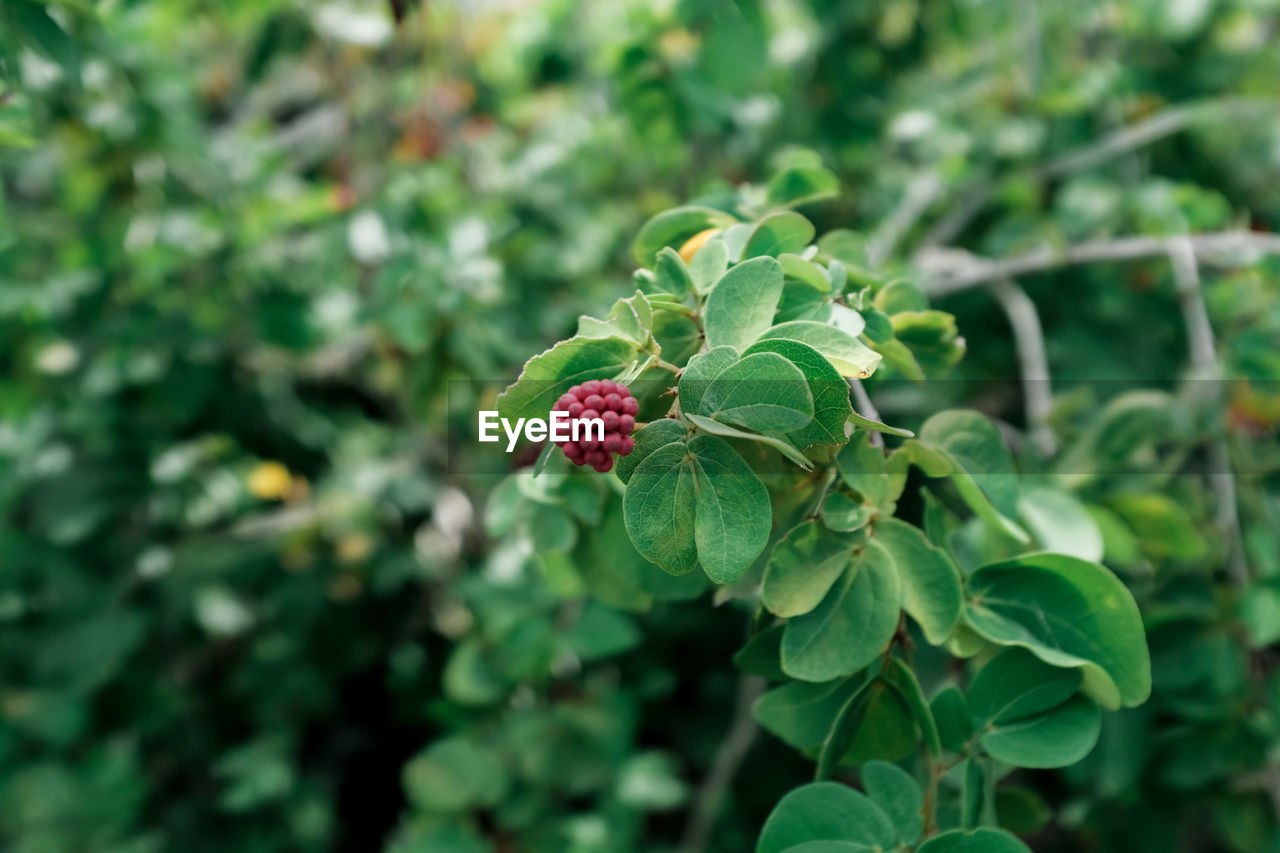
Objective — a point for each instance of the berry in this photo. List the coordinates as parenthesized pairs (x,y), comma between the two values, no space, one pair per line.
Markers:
(612,403)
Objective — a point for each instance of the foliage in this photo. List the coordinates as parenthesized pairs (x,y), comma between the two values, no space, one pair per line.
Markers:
(261,262)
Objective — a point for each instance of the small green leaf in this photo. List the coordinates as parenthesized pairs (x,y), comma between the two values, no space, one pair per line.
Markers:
(657,434)
(825,811)
(1060,523)
(850,627)
(732,512)
(796,268)
(984,473)
(698,374)
(741,305)
(903,680)
(708,265)
(781,445)
(548,375)
(672,227)
(1016,684)
(931,588)
(863,469)
(877,426)
(844,727)
(846,353)
(1056,738)
(803,566)
(843,512)
(801,713)
(1029,713)
(829,390)
(670,272)
(763,392)
(454,774)
(658,509)
(1069,613)
(779,233)
(898,795)
(802,183)
(955,723)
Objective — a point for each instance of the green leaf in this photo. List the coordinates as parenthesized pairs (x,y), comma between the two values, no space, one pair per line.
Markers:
(877,426)
(900,296)
(1060,523)
(670,272)
(844,727)
(931,588)
(885,729)
(1016,684)
(658,509)
(843,512)
(903,680)
(674,226)
(1056,738)
(454,774)
(955,723)
(850,627)
(779,233)
(1069,613)
(801,713)
(802,184)
(741,305)
(803,566)
(732,513)
(657,434)
(846,353)
(763,392)
(829,390)
(781,445)
(1029,712)
(796,268)
(898,795)
(825,811)
(1164,528)
(698,375)
(863,469)
(978,841)
(707,265)
(984,474)
(548,375)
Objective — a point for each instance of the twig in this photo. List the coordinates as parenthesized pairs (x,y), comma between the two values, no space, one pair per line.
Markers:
(949,271)
(1164,123)
(923,190)
(1028,337)
(1204,364)
(724,766)
(867,409)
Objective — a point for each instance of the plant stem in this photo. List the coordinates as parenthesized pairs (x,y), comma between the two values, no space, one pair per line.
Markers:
(724,766)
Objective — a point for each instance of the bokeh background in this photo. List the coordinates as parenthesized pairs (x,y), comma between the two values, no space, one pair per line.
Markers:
(257,256)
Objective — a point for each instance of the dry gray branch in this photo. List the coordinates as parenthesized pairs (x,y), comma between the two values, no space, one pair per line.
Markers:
(947,270)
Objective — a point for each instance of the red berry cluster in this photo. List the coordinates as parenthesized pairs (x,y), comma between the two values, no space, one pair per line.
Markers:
(613,404)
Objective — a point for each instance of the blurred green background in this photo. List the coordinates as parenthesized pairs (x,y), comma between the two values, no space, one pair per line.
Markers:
(248,599)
